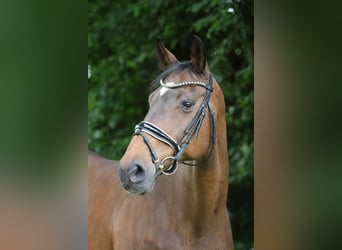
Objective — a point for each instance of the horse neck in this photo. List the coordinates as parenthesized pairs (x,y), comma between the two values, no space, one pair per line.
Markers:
(201,190)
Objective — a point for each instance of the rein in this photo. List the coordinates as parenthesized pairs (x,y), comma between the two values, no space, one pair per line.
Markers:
(192,129)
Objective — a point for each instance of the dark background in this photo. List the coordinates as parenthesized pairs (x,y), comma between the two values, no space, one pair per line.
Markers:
(121,61)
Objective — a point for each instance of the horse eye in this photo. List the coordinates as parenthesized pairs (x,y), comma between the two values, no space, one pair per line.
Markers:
(187,104)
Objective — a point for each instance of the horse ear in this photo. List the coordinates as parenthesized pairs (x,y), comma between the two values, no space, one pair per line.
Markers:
(198,55)
(164,56)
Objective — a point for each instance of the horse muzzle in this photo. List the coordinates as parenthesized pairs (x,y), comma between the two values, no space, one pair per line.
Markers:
(137,179)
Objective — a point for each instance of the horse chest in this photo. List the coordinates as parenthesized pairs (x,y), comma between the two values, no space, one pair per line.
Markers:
(151,230)
(157,232)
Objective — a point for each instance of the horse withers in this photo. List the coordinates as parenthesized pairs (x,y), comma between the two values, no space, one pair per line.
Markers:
(174,171)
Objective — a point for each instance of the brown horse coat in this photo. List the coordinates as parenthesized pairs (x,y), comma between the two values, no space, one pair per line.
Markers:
(118,220)
(186,210)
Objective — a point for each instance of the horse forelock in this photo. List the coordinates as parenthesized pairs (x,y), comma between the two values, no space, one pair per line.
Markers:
(173,68)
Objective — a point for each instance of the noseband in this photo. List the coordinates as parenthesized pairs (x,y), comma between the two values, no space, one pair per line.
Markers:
(193,128)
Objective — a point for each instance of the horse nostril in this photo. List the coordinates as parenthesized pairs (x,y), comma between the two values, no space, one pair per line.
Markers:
(136,173)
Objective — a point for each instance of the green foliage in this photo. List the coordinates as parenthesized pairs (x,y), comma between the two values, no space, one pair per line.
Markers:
(121,36)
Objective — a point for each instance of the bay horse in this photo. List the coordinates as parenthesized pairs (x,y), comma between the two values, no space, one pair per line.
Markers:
(169,189)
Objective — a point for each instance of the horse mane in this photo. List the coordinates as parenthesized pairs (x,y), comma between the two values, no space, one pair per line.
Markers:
(175,67)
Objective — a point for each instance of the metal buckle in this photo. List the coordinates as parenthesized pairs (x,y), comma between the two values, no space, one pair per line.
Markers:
(173,166)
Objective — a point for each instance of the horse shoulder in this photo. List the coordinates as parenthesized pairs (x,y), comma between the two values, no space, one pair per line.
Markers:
(102,182)
(218,233)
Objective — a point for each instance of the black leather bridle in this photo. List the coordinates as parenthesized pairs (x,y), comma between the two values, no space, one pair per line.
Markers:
(192,129)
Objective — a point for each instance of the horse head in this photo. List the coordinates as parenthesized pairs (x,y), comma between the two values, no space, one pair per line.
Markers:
(180,126)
